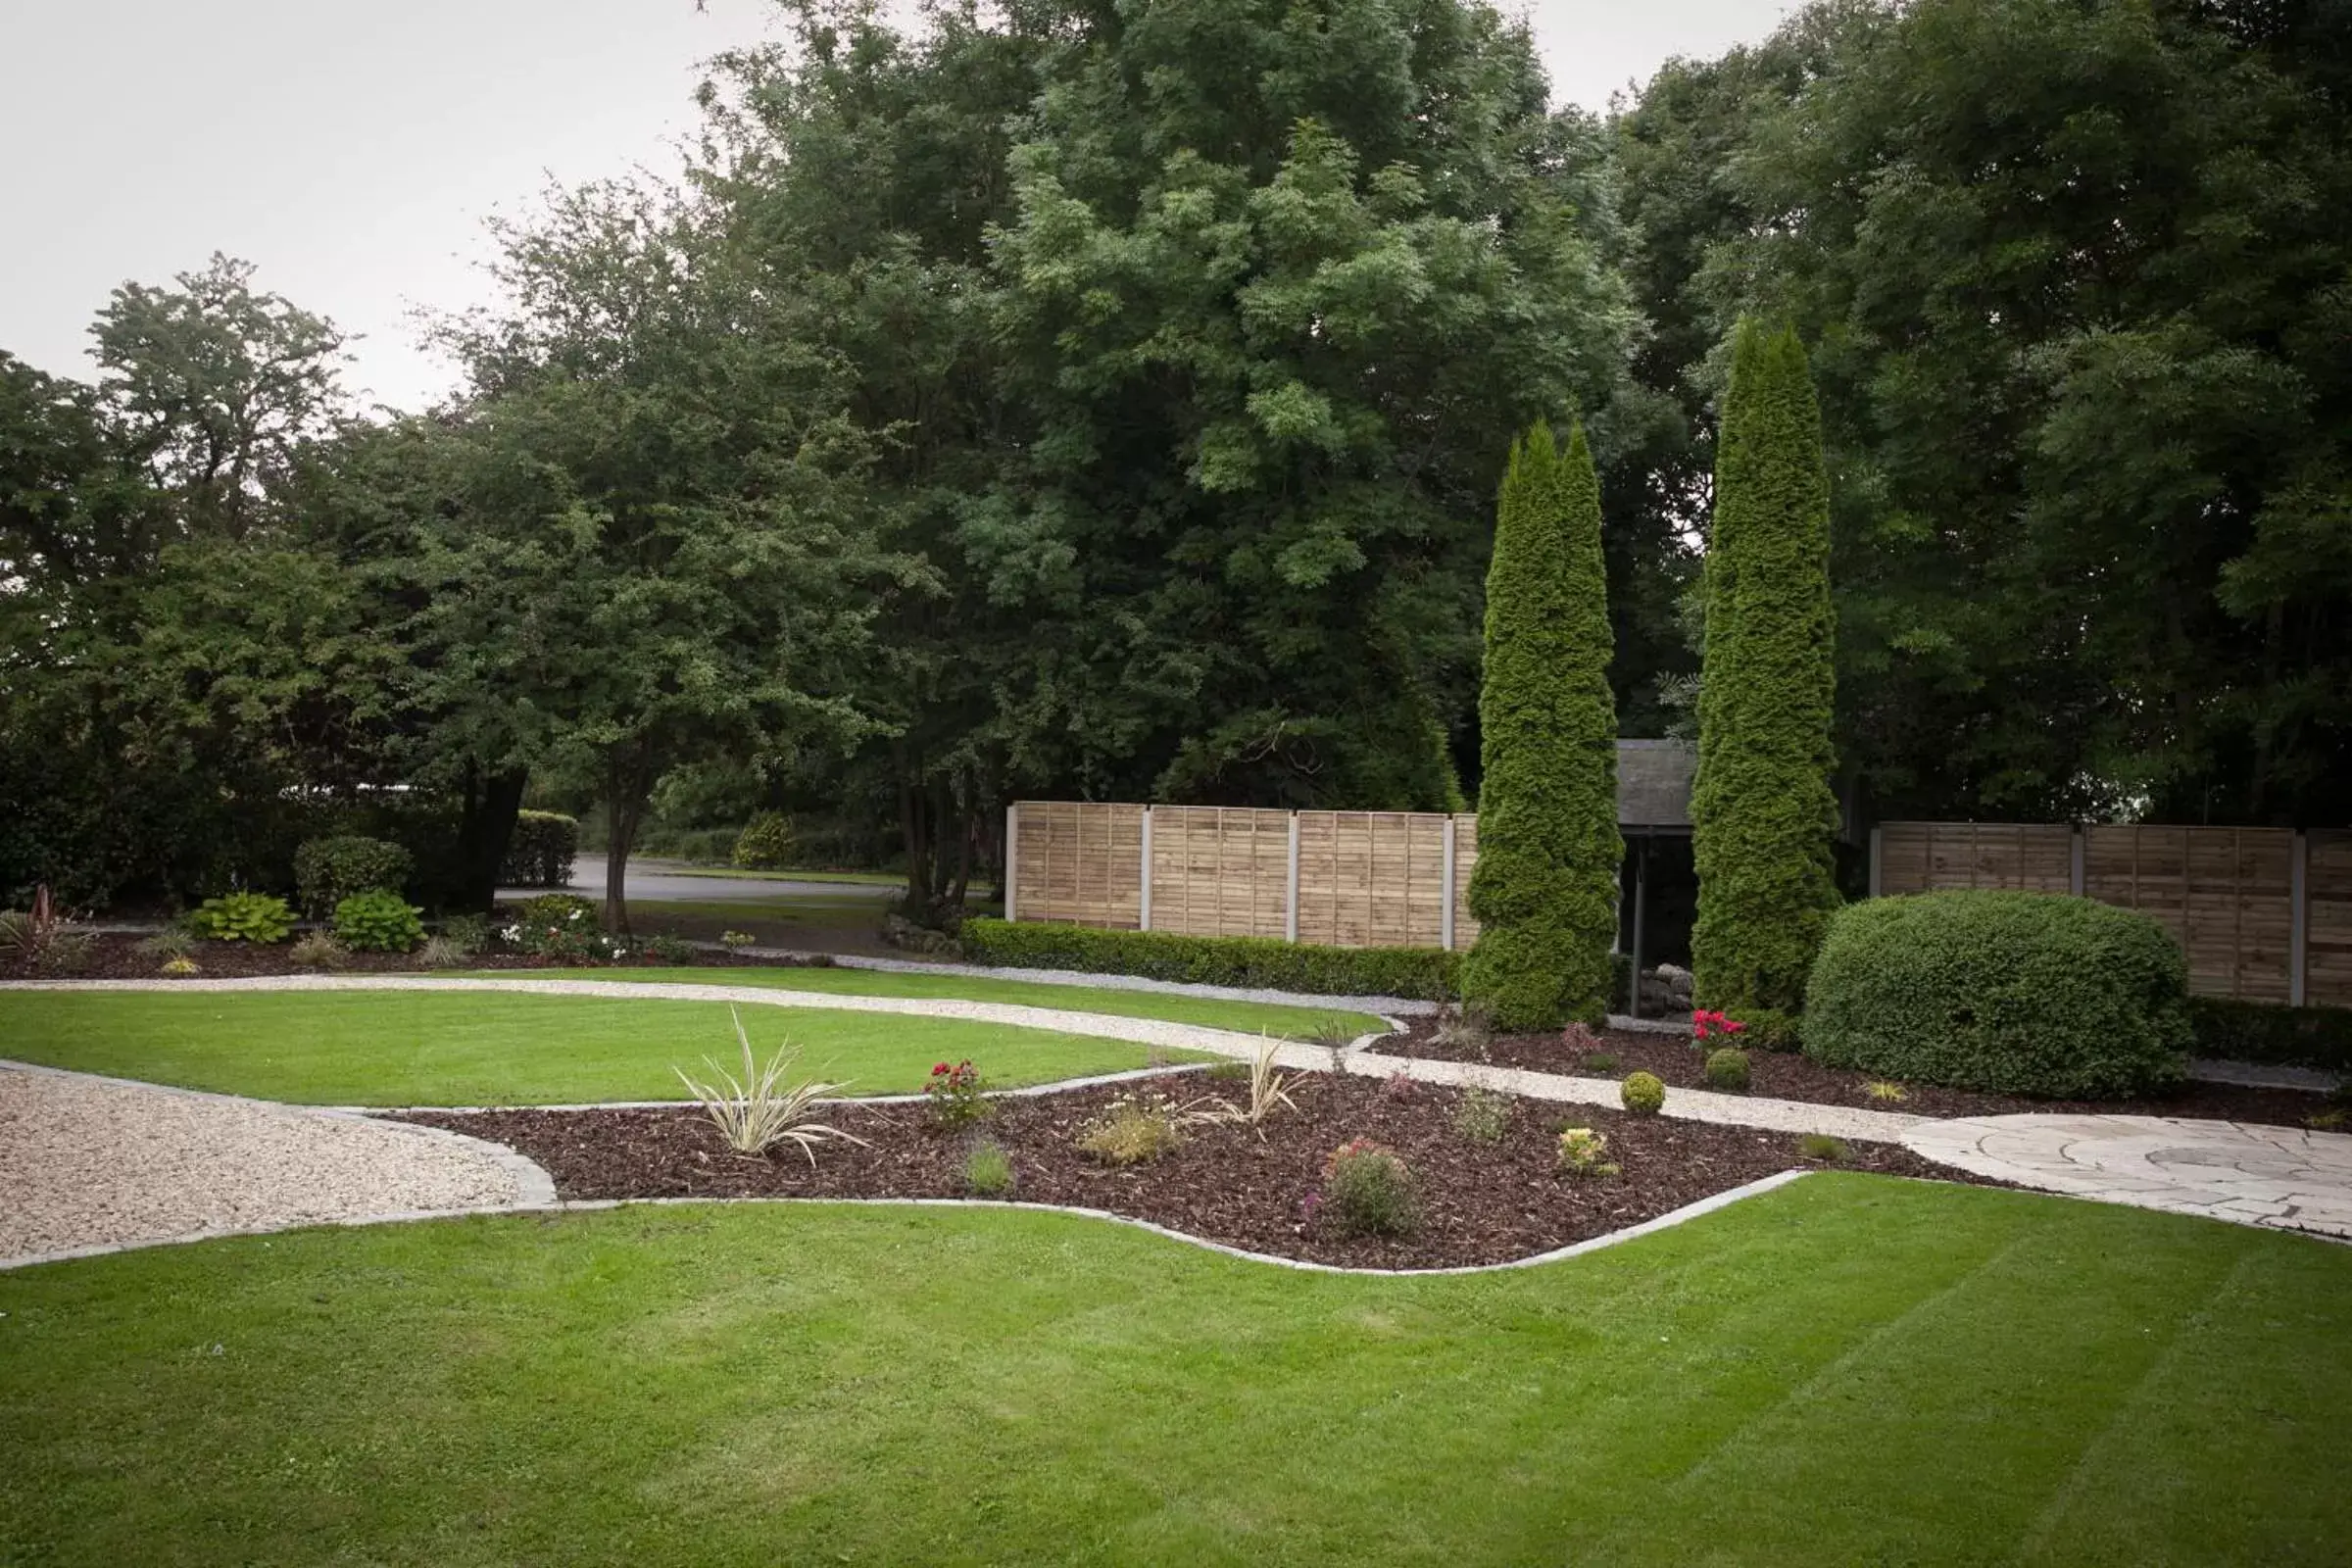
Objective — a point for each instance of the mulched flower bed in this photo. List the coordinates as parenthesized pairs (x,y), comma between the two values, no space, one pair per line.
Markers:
(1787,1076)
(116,957)
(1480,1203)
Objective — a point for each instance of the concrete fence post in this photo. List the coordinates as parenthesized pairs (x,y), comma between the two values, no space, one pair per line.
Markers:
(2075,878)
(1144,912)
(1013,849)
(1877,855)
(1446,892)
(1290,897)
(2298,917)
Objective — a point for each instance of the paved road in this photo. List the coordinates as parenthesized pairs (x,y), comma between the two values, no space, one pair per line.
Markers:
(672,882)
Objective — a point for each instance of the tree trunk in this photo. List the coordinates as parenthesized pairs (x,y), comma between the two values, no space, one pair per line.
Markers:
(487,822)
(625,808)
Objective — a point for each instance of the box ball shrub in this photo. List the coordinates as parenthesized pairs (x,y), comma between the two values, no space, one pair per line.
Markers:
(1643,1093)
(540,850)
(2014,992)
(1727,1069)
(380,921)
(328,870)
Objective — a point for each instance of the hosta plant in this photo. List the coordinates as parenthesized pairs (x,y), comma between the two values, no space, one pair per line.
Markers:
(261,918)
(764,1107)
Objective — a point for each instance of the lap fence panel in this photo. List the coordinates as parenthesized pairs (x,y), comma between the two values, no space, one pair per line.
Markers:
(1080,863)
(1937,856)
(2225,892)
(2327,919)
(1372,879)
(1221,871)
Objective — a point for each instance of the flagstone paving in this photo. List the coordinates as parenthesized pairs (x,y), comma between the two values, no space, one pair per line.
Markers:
(2285,1178)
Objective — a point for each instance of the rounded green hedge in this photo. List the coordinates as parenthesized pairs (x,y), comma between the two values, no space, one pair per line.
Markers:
(2016,993)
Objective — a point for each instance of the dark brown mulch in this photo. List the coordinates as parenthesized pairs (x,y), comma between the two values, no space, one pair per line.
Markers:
(1480,1203)
(1787,1076)
(117,957)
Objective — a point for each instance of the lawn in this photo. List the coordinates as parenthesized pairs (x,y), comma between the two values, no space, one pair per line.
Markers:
(394,1047)
(1249,1017)
(1849,1370)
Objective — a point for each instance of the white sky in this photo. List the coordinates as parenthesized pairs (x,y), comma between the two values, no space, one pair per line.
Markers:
(351,148)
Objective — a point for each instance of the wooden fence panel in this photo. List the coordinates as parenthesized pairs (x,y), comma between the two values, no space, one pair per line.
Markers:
(1080,863)
(1932,856)
(2327,919)
(2225,892)
(1221,871)
(1372,879)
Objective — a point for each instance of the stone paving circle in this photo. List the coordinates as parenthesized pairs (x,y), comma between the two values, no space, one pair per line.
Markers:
(2281,1177)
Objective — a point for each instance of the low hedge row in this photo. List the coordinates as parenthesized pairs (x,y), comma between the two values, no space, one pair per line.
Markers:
(1431,974)
(2018,993)
(539,855)
(2271,1033)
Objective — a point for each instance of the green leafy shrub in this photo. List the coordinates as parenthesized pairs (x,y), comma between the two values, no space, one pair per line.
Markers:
(1727,1069)
(1544,888)
(540,852)
(183,967)
(319,949)
(380,921)
(1584,1152)
(1482,1116)
(328,870)
(765,842)
(2266,1032)
(1430,974)
(551,907)
(736,941)
(43,939)
(1368,1191)
(1767,1028)
(1642,1093)
(988,1169)
(663,948)
(1763,816)
(1821,1147)
(261,918)
(2016,993)
(469,933)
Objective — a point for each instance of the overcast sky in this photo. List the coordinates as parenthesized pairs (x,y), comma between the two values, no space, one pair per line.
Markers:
(351,148)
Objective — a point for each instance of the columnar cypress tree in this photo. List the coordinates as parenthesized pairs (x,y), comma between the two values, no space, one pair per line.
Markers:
(1545,889)
(1762,811)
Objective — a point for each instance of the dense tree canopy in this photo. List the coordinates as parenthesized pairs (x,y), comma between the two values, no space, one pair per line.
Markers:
(1090,401)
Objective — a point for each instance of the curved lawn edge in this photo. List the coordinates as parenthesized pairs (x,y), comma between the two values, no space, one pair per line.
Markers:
(1591,1243)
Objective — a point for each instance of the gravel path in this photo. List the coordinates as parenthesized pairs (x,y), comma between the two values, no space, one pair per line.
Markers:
(90,1163)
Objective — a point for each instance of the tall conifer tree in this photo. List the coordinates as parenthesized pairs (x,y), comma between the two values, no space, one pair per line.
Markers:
(1545,889)
(1763,814)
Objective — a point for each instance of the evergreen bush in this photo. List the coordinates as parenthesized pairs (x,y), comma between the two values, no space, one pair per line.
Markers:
(1544,888)
(541,851)
(765,844)
(1429,974)
(2016,993)
(328,870)
(1763,815)
(378,921)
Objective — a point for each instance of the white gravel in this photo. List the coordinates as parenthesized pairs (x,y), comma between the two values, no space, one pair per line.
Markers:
(90,1163)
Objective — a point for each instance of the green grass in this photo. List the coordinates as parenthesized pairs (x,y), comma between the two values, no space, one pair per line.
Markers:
(863,879)
(823,911)
(1249,1017)
(479,1049)
(1849,1370)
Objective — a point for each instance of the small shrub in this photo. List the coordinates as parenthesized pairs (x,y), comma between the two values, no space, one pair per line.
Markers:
(1482,1116)
(557,909)
(1399,1085)
(957,1096)
(760,1110)
(663,948)
(179,969)
(1881,1089)
(43,939)
(1267,1090)
(261,918)
(1368,1191)
(439,952)
(1822,1148)
(1642,1093)
(2016,993)
(1432,974)
(541,850)
(1766,1029)
(319,949)
(1727,1070)
(174,942)
(736,941)
(328,870)
(1584,1152)
(378,922)
(1706,1026)
(1133,1131)
(470,933)
(1580,1038)
(562,927)
(1464,1030)
(1601,1063)
(988,1169)
(765,844)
